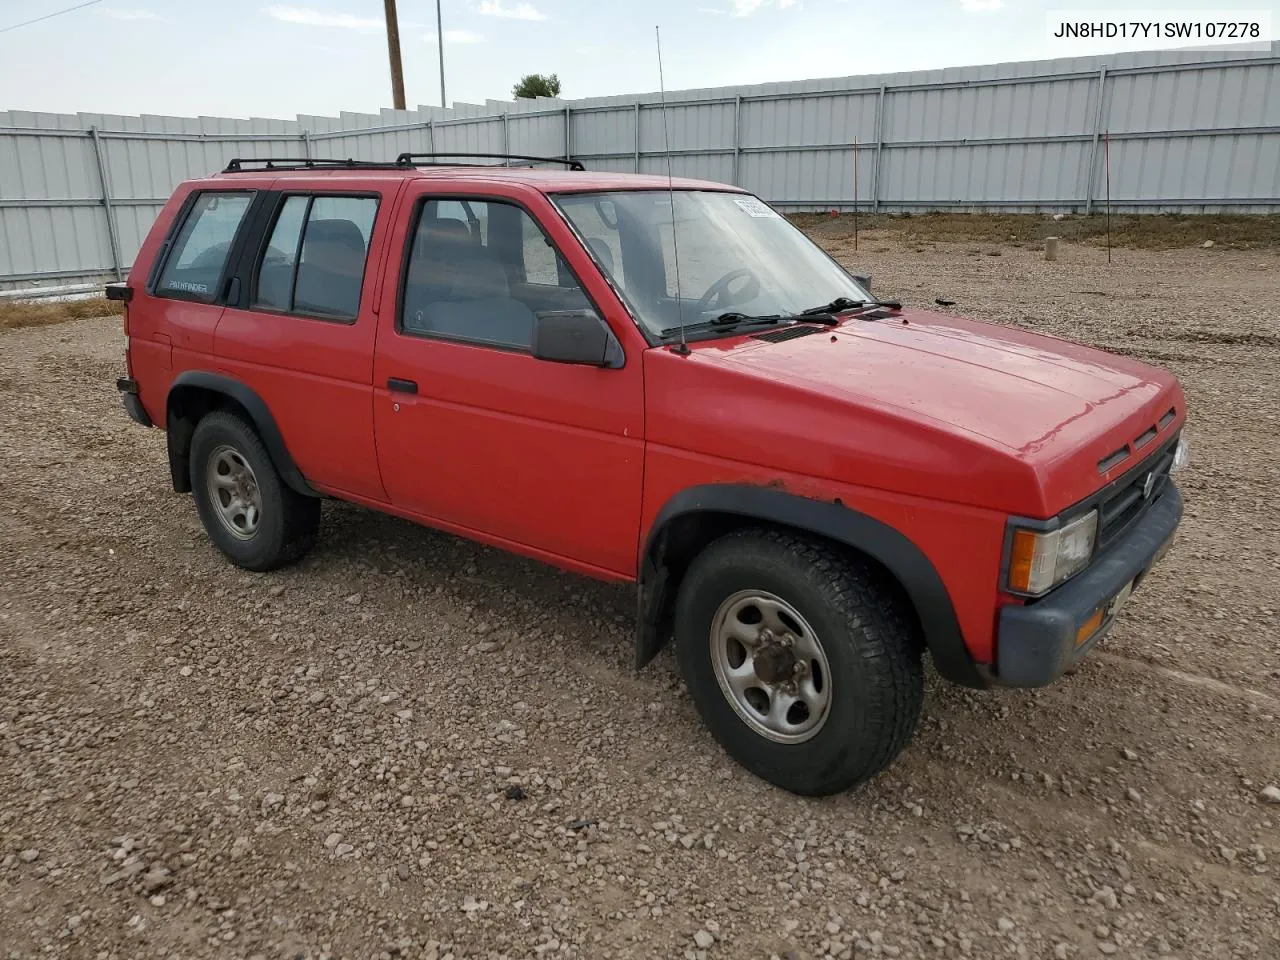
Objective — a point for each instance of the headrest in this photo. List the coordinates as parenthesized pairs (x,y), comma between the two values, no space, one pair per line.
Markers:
(478,275)
(340,232)
(446,230)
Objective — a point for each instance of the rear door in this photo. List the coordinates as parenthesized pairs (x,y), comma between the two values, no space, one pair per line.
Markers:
(301,330)
(473,432)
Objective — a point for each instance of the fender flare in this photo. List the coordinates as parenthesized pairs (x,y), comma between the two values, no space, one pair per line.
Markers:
(832,520)
(259,413)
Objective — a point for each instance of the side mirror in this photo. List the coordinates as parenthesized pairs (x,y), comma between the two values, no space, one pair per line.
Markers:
(575,336)
(864,280)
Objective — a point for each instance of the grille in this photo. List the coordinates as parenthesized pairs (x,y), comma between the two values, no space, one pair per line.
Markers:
(786,333)
(1131,497)
(1113,459)
(1118,457)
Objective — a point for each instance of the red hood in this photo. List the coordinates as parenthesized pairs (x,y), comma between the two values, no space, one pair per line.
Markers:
(1055,407)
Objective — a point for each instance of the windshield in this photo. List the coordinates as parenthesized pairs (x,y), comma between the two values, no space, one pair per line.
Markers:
(736,255)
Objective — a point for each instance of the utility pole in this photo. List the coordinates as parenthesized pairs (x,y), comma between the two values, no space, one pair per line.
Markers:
(440,41)
(393,52)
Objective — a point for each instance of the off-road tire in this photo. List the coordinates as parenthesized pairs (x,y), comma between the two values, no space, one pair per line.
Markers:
(871,641)
(288,521)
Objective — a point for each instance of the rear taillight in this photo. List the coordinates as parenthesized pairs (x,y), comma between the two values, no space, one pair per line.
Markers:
(124,328)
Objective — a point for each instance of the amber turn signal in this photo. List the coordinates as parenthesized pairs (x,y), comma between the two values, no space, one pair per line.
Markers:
(1022,560)
(1089,627)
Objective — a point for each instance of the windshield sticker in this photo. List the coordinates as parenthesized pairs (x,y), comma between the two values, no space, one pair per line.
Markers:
(753,207)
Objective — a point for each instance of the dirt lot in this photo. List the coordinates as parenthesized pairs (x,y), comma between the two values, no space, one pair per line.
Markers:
(197,762)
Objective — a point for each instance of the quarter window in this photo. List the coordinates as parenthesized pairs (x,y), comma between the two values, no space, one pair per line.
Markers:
(480,271)
(315,259)
(202,246)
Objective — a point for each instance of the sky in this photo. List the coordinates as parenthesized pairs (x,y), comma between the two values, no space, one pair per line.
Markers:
(255,58)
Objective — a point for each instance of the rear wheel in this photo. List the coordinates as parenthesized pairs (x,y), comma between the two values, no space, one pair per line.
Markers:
(801,659)
(246,508)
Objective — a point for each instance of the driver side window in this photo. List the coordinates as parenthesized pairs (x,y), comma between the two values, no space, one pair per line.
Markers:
(483,285)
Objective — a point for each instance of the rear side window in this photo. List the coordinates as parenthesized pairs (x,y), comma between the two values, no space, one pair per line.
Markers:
(201,248)
(315,258)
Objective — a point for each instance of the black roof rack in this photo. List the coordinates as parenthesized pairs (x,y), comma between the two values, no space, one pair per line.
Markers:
(410,159)
(238,164)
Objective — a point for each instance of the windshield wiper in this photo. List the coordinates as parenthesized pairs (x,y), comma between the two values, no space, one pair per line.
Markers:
(825,314)
(837,305)
(725,323)
(843,304)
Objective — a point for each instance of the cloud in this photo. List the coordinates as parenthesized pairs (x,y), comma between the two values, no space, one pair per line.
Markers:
(716,10)
(981,6)
(320,18)
(456,37)
(521,11)
(745,8)
(116,14)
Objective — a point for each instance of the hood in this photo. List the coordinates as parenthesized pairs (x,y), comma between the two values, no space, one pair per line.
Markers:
(1056,407)
(1020,390)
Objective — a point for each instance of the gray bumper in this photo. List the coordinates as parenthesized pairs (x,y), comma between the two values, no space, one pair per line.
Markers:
(128,388)
(1036,643)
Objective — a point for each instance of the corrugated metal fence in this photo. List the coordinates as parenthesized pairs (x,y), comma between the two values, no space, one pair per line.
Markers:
(1188,131)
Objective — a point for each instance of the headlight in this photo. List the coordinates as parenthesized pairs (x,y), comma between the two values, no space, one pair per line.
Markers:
(1040,560)
(1180,455)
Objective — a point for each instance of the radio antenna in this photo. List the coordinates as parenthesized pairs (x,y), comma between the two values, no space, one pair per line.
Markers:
(671,193)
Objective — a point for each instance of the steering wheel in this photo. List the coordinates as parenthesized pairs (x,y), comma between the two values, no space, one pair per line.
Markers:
(720,295)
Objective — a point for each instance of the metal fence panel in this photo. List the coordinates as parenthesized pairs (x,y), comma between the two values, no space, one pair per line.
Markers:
(812,120)
(1186,131)
(985,175)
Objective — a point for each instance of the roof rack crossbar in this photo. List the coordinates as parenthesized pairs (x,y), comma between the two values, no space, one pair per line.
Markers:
(240,164)
(410,159)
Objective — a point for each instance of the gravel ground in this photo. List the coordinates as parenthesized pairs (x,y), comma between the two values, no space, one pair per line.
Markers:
(411,746)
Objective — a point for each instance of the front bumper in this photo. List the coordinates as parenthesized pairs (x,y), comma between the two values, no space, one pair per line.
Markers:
(128,388)
(1036,643)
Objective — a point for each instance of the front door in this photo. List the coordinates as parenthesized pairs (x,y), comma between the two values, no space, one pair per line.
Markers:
(473,432)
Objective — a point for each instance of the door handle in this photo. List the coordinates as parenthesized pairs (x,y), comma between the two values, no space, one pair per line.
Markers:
(402,386)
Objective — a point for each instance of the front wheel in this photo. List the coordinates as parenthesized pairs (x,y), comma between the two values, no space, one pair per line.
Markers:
(802,660)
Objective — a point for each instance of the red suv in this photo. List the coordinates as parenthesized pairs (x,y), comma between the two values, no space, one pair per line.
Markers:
(666,383)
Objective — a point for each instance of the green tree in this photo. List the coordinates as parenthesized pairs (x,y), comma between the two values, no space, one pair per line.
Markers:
(537,85)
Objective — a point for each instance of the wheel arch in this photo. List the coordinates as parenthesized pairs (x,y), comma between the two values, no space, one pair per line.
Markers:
(195,393)
(694,517)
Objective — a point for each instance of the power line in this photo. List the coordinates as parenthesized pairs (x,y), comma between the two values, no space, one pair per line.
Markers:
(49,16)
